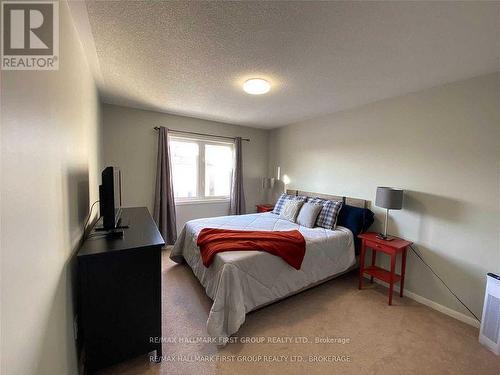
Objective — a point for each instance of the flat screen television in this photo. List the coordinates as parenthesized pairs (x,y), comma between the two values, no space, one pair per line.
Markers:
(110,197)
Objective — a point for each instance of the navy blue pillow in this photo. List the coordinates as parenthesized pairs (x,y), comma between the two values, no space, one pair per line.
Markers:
(356,219)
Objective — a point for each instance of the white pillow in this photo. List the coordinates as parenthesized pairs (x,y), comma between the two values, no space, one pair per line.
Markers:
(290,210)
(308,214)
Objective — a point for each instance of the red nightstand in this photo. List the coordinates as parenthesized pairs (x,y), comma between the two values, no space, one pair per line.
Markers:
(392,248)
(264,207)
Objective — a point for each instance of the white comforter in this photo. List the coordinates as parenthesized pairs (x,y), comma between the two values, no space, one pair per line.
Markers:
(241,281)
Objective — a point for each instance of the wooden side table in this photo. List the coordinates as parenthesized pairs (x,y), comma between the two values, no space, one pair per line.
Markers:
(264,207)
(392,248)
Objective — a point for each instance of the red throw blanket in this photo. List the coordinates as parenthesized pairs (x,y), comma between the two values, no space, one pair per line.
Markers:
(289,245)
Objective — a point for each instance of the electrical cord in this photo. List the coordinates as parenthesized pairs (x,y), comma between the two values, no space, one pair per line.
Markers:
(87,220)
(440,279)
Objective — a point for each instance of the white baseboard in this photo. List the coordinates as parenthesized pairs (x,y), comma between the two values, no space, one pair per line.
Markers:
(434,305)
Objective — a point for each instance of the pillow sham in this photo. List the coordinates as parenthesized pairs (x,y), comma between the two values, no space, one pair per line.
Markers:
(291,209)
(280,203)
(328,215)
(283,198)
(308,214)
(357,220)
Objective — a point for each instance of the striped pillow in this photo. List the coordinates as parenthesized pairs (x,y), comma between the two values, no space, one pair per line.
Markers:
(278,207)
(327,218)
(291,209)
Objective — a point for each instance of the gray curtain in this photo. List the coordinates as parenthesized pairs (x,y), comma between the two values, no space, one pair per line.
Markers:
(164,210)
(237,200)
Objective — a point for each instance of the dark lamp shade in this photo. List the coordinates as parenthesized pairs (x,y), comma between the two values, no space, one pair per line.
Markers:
(389,198)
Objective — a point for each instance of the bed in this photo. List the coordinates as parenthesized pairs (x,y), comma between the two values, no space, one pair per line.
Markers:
(242,281)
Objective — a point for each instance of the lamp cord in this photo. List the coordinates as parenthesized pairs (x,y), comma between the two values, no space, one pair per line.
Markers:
(440,279)
(87,220)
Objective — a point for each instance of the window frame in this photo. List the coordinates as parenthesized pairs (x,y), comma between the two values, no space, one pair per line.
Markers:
(201,141)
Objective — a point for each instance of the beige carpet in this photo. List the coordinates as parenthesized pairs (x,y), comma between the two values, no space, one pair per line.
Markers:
(406,338)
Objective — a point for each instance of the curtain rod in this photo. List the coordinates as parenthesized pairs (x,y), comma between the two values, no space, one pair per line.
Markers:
(203,134)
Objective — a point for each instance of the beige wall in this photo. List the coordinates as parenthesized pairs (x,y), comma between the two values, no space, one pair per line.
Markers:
(50,158)
(442,146)
(131,143)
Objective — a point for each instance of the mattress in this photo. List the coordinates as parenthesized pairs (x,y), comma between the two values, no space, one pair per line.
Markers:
(241,281)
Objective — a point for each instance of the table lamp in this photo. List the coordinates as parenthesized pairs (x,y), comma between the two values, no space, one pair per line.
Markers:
(267,185)
(267,182)
(390,199)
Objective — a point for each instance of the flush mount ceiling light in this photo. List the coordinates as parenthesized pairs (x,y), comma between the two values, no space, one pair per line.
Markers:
(256,86)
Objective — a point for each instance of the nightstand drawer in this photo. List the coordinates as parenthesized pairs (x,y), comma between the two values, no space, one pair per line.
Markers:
(379,246)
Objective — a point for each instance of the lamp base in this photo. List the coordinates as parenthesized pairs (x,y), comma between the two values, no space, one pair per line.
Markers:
(382,236)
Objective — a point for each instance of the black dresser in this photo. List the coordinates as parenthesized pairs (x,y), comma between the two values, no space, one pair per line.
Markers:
(119,298)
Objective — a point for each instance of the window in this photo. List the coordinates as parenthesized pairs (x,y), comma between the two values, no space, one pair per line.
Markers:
(185,156)
(201,169)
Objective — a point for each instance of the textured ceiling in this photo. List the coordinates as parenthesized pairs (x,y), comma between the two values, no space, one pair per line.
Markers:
(191,58)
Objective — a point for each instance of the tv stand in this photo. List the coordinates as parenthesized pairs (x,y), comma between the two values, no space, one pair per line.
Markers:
(119,297)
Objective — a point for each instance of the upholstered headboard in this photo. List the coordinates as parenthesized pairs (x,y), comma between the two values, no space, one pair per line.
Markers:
(347,200)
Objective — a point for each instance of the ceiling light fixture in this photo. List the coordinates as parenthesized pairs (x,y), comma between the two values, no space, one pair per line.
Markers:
(256,86)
